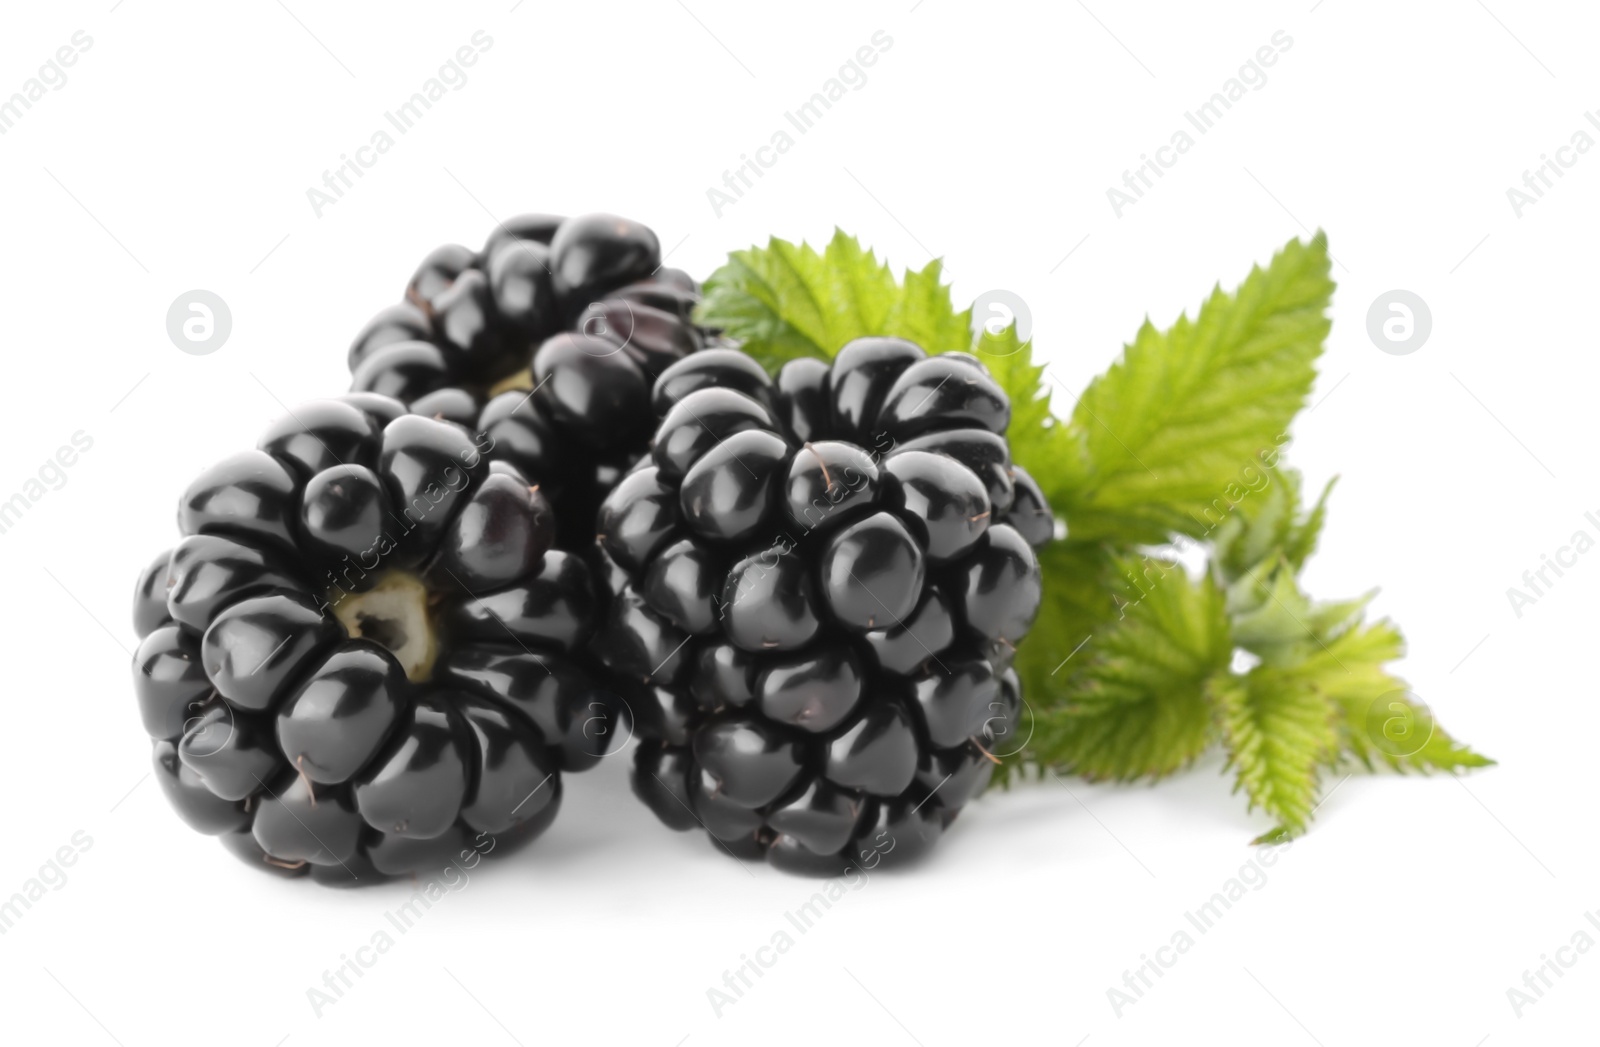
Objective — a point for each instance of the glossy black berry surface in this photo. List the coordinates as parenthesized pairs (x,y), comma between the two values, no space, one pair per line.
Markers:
(824,579)
(550,337)
(364,657)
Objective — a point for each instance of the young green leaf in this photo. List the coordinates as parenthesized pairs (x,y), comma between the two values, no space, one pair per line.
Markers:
(1273,618)
(1268,522)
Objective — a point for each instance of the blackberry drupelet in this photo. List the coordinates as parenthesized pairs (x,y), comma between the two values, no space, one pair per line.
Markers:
(555,330)
(364,658)
(822,581)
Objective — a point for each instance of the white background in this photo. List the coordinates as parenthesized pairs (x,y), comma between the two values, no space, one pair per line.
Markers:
(178,155)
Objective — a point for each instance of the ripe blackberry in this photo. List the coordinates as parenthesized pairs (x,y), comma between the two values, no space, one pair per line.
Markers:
(364,658)
(578,309)
(823,580)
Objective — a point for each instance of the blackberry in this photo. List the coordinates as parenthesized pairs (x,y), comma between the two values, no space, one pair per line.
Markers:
(364,657)
(822,582)
(556,328)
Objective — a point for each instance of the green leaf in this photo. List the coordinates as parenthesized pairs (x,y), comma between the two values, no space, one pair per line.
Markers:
(1138,704)
(1168,434)
(1280,733)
